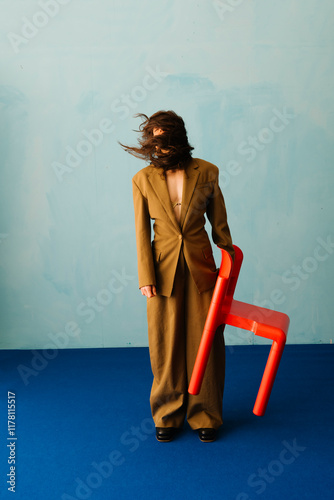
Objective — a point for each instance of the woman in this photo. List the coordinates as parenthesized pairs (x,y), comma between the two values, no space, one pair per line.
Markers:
(177,272)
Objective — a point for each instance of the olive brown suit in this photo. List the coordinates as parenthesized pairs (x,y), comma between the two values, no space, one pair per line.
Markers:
(180,263)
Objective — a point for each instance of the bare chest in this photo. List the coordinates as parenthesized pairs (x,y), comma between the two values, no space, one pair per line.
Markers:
(175,185)
(175,188)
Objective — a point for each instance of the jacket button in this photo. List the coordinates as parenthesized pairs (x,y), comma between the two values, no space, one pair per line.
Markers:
(180,236)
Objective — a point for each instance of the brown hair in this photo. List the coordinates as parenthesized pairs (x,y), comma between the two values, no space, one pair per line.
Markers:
(174,139)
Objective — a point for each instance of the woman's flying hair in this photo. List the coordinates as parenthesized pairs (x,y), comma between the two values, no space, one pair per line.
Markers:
(169,150)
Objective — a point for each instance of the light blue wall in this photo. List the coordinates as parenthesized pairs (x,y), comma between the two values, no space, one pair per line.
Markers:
(230,69)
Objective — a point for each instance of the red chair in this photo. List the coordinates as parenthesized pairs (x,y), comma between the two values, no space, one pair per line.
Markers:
(224,310)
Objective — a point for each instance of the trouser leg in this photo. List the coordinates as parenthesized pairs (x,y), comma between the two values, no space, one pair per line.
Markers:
(205,409)
(165,317)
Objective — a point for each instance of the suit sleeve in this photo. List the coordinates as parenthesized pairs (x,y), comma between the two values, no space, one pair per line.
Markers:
(146,272)
(216,213)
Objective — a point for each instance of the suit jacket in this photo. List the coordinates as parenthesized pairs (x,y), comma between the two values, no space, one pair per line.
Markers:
(157,260)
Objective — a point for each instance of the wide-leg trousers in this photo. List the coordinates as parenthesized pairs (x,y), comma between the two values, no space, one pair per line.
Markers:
(175,327)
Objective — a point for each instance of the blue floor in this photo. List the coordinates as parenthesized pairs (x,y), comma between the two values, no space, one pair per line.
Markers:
(84,429)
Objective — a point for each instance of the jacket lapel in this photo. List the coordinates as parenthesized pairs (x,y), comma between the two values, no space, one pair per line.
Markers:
(189,183)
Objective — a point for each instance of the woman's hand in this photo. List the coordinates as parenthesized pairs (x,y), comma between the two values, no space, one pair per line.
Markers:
(149,291)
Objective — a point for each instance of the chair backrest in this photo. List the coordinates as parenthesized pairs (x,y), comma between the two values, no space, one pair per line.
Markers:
(230,270)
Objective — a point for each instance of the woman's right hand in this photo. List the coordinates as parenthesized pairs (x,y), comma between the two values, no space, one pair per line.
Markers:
(149,291)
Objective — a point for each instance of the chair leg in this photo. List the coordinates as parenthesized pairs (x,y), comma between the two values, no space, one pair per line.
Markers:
(201,361)
(268,378)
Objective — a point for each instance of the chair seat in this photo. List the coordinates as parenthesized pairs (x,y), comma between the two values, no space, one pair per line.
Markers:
(260,320)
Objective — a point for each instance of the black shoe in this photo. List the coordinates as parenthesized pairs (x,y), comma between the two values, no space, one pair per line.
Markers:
(165,434)
(207,435)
